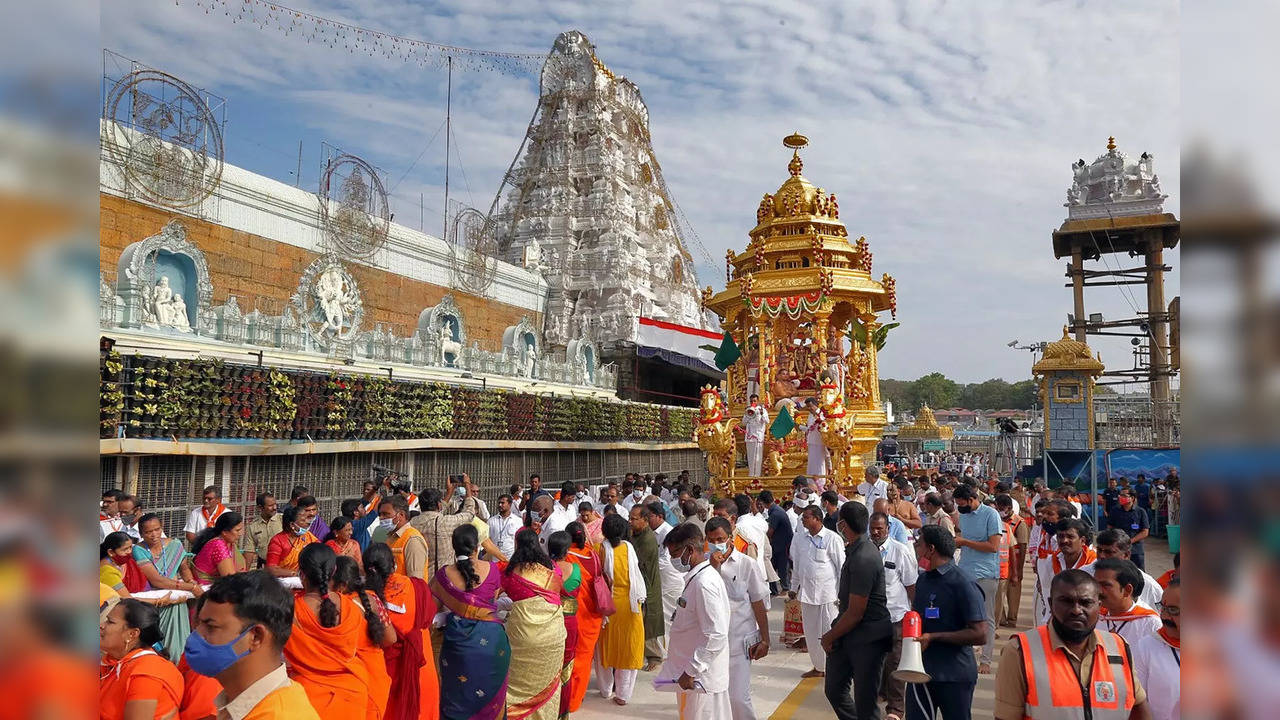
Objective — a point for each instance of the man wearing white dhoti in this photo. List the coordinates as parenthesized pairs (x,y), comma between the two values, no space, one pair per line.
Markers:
(698,656)
(755,422)
(817,466)
(748,618)
(817,554)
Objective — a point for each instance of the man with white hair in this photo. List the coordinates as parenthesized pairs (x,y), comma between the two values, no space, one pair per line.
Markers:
(873,487)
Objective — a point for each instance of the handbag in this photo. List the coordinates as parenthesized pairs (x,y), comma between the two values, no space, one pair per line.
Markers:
(601,593)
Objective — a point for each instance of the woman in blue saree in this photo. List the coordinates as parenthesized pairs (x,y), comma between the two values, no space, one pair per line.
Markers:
(475,654)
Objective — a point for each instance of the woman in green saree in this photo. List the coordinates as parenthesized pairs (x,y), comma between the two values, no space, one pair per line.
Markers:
(163,563)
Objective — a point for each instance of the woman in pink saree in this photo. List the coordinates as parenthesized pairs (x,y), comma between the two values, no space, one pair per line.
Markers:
(535,624)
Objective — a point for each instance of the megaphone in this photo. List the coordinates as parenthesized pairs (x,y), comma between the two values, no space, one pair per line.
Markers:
(911,667)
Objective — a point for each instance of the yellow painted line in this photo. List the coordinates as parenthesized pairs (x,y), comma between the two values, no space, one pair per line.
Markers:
(787,710)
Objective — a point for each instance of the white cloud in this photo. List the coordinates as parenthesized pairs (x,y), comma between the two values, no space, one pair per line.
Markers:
(947,129)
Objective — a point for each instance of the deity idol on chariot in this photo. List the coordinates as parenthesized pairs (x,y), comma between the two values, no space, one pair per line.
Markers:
(802,303)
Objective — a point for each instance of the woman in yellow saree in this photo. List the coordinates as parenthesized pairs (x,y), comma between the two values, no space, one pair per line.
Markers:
(535,625)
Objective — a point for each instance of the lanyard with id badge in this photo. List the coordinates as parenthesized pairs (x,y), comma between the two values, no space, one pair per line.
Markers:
(932,612)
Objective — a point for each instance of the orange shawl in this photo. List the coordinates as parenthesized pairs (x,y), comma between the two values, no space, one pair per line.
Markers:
(402,604)
(322,660)
(1087,555)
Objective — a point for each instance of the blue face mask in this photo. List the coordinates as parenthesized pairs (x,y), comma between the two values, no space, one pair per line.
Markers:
(300,531)
(719,547)
(212,660)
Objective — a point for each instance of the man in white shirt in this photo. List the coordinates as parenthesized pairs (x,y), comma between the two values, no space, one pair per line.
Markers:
(747,540)
(109,515)
(817,554)
(636,495)
(1114,543)
(608,496)
(698,657)
(873,488)
(748,618)
(755,527)
(755,421)
(545,519)
(211,508)
(1120,613)
(900,573)
(504,526)
(1157,659)
(672,579)
(567,504)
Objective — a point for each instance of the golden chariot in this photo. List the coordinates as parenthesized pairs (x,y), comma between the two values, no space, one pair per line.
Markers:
(802,306)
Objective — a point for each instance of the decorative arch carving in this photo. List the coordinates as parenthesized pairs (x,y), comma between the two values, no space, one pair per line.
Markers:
(138,277)
(446,310)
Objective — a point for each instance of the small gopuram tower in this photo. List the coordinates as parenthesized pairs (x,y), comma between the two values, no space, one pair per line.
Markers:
(801,304)
(1115,207)
(1066,374)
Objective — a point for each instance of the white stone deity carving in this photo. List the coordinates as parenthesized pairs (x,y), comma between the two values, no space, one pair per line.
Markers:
(332,299)
(529,360)
(448,346)
(178,314)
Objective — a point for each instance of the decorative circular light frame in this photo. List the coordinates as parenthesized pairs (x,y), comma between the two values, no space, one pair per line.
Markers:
(472,247)
(171,151)
(355,213)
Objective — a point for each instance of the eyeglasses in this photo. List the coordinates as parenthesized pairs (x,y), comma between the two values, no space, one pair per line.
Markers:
(1170,610)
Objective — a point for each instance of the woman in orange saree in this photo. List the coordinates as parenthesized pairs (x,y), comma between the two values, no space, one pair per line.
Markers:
(321,651)
(341,538)
(588,616)
(284,550)
(415,687)
(535,624)
(379,634)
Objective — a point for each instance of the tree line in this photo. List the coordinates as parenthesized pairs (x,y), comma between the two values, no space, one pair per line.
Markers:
(939,391)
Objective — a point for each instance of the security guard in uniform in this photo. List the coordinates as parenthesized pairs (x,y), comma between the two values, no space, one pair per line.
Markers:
(1067,669)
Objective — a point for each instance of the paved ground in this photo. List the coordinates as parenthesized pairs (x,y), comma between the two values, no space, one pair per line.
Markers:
(779,693)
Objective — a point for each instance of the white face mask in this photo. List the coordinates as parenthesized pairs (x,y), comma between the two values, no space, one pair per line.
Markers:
(637,494)
(387,524)
(679,563)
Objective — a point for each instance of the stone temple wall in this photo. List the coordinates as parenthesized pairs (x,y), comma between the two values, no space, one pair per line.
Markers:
(260,271)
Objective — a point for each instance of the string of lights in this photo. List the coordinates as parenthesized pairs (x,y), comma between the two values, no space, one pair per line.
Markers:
(374,43)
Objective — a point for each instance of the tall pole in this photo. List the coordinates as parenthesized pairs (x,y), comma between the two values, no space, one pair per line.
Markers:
(1077,290)
(448,131)
(1158,340)
(297,177)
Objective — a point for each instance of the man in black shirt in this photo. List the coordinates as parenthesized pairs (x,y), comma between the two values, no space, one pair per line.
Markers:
(1134,522)
(830,509)
(953,618)
(780,534)
(862,634)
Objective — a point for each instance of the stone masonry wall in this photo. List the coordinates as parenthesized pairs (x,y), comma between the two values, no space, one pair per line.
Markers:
(251,267)
(1068,422)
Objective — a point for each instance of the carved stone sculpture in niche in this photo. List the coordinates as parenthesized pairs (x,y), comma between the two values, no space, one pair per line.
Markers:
(159,275)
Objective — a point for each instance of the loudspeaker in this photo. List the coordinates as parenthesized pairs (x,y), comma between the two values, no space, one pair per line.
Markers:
(911,667)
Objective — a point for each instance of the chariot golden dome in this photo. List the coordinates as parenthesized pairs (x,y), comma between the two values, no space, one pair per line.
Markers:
(1068,354)
(925,427)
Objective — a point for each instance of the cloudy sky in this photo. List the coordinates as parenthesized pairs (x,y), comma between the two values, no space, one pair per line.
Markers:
(947,129)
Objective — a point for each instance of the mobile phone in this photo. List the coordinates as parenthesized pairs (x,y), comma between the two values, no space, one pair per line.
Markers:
(455,479)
